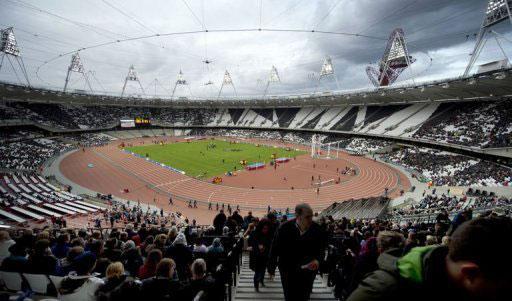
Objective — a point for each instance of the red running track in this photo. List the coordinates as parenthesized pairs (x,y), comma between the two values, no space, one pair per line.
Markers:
(115,170)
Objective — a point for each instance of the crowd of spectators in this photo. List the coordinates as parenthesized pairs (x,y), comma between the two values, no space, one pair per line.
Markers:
(9,134)
(146,258)
(360,145)
(96,117)
(89,139)
(482,124)
(178,261)
(447,169)
(486,124)
(31,154)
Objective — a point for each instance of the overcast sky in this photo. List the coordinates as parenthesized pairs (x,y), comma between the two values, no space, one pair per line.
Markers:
(436,32)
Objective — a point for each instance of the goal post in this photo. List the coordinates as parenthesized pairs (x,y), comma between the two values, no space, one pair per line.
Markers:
(322,150)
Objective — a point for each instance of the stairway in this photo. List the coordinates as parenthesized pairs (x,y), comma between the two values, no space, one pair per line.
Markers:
(273,289)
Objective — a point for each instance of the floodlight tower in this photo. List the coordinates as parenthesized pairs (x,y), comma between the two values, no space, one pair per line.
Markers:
(132,76)
(328,71)
(496,12)
(76,66)
(225,82)
(395,60)
(9,49)
(179,81)
(273,78)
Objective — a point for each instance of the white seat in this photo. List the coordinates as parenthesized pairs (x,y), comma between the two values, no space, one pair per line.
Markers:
(38,282)
(12,280)
(57,281)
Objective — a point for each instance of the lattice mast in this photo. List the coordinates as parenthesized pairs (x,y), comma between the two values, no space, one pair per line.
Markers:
(9,49)
(132,76)
(496,12)
(180,81)
(328,71)
(395,60)
(273,78)
(77,67)
(227,81)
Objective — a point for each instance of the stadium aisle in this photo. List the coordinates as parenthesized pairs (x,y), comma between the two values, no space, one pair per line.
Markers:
(273,289)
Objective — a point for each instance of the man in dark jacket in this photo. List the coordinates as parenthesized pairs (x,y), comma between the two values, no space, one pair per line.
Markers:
(298,248)
(475,266)
(162,286)
(219,221)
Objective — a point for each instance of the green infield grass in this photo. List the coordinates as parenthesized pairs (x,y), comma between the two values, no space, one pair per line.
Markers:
(209,158)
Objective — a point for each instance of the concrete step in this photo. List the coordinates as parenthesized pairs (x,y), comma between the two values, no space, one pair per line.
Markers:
(273,290)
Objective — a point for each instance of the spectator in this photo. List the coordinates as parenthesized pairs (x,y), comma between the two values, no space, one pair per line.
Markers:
(216,247)
(5,243)
(149,268)
(200,282)
(117,287)
(298,249)
(80,284)
(260,242)
(16,261)
(219,221)
(182,256)
(162,286)
(61,248)
(66,264)
(131,258)
(42,261)
(475,265)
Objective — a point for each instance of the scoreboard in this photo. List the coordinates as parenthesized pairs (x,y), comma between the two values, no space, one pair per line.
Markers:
(142,121)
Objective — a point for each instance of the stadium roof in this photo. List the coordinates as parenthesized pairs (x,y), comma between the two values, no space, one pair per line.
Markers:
(480,87)
(204,39)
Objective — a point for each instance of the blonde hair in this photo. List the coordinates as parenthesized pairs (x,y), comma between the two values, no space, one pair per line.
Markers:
(431,240)
(115,269)
(43,235)
(4,235)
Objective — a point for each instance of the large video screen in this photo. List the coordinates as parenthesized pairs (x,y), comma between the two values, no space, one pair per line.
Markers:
(127,123)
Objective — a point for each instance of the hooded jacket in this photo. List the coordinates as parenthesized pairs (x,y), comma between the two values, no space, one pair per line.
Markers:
(419,275)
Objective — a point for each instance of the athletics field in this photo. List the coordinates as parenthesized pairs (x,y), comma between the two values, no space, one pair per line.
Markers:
(209,158)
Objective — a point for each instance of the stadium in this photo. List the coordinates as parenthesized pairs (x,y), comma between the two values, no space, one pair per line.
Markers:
(262,151)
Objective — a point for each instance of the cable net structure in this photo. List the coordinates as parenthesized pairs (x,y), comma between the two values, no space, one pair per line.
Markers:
(395,60)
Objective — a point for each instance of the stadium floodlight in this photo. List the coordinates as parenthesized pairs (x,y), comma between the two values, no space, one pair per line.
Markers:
(328,71)
(77,67)
(227,81)
(497,11)
(273,78)
(180,81)
(395,60)
(9,49)
(132,76)
(327,68)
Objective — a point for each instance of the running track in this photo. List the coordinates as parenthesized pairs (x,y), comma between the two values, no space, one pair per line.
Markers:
(115,170)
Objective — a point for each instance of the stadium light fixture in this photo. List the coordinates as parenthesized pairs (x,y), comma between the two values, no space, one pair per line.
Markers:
(132,76)
(9,49)
(497,11)
(76,66)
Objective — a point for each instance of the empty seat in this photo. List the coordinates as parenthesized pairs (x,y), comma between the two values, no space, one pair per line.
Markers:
(28,213)
(11,280)
(38,283)
(74,205)
(44,211)
(12,216)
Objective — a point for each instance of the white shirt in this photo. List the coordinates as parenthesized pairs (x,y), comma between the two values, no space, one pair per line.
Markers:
(86,292)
